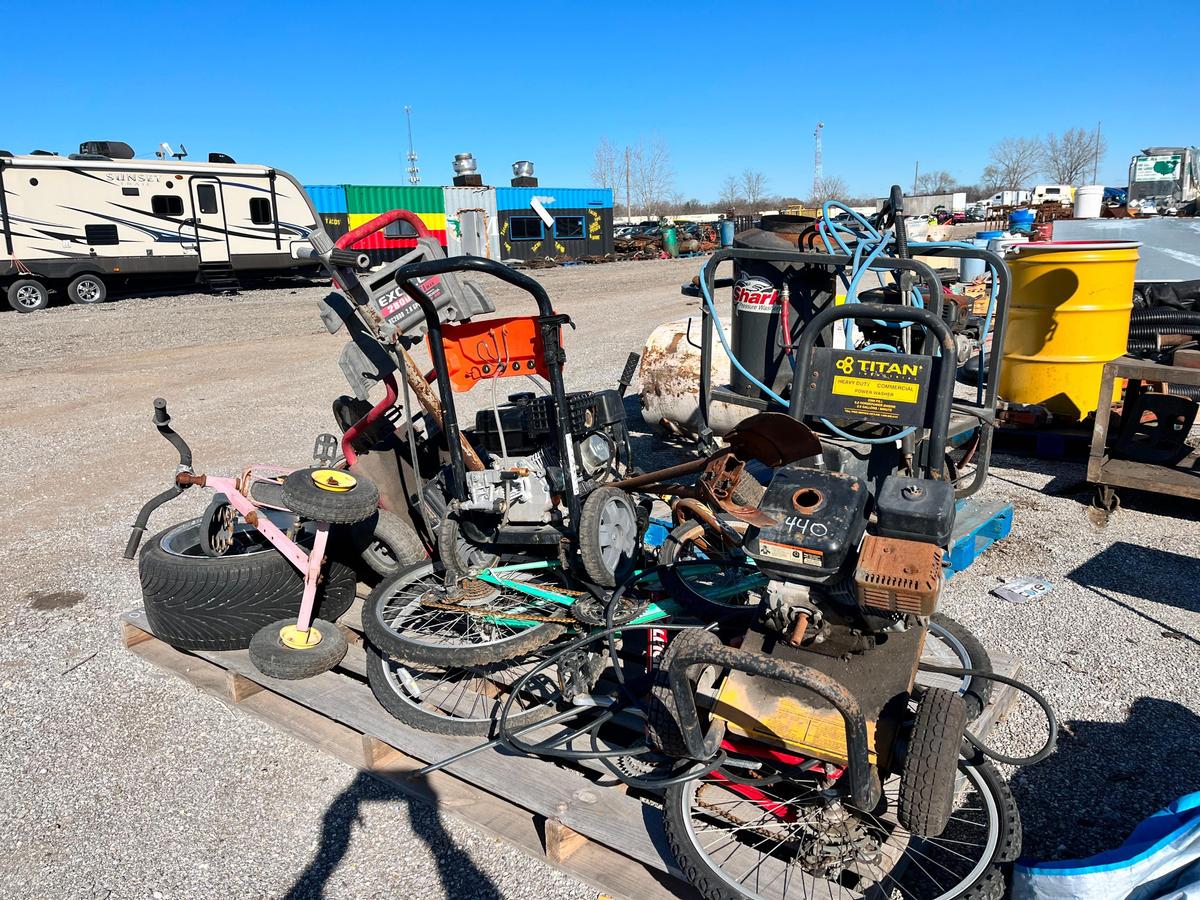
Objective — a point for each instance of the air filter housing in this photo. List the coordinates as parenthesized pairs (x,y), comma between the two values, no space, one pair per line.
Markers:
(898,575)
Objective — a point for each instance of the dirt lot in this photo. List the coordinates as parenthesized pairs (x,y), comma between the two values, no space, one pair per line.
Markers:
(121,781)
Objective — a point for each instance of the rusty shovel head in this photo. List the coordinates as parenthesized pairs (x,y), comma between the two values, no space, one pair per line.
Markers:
(774,439)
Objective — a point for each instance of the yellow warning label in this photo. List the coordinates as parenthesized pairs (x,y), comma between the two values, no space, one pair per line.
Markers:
(876,389)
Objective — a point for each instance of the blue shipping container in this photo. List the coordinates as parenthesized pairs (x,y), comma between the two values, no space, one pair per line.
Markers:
(512,198)
(328,198)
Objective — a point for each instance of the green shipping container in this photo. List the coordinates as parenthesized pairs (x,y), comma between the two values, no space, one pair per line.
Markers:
(374,199)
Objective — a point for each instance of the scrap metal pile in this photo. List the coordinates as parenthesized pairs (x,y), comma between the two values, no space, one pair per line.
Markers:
(752,634)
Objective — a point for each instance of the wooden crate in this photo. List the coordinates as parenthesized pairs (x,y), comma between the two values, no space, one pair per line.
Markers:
(568,816)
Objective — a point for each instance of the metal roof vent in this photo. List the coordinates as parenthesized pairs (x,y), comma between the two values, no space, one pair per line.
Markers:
(465,174)
(523,174)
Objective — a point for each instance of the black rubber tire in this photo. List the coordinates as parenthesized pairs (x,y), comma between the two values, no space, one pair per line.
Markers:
(990,885)
(458,555)
(662,713)
(411,714)
(303,497)
(670,552)
(927,779)
(421,654)
(978,691)
(91,287)
(591,551)
(26,295)
(401,547)
(272,658)
(196,602)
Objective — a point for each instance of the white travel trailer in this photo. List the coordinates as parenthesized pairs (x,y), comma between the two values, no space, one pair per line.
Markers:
(96,218)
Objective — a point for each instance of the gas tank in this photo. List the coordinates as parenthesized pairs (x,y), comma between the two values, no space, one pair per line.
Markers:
(758,290)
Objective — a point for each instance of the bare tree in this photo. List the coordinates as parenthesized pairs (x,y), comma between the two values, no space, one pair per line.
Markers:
(1068,157)
(652,175)
(826,188)
(731,197)
(1016,161)
(754,186)
(607,166)
(937,182)
(991,180)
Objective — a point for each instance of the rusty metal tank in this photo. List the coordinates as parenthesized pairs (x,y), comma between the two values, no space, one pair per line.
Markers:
(759,292)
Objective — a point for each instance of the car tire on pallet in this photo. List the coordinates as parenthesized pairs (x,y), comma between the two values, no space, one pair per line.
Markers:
(198,602)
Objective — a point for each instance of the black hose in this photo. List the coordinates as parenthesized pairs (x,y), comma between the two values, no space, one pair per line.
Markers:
(1155,318)
(1051,719)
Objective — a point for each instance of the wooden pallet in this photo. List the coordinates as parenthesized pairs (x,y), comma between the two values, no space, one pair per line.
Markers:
(570,817)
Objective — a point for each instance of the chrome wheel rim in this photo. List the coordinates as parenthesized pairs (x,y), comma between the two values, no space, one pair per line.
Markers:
(29,296)
(87,291)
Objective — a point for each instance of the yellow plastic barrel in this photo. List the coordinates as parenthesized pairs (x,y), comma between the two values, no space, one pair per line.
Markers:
(1070,309)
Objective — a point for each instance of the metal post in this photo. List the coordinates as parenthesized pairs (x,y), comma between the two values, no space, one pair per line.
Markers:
(628,181)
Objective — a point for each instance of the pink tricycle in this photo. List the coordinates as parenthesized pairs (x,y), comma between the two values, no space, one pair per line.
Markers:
(276,504)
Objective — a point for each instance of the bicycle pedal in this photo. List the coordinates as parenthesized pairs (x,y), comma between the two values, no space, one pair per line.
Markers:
(326,450)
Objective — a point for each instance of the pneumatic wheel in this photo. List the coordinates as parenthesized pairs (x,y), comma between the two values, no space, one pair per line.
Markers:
(280,650)
(87,290)
(927,779)
(26,295)
(608,535)
(386,544)
(330,495)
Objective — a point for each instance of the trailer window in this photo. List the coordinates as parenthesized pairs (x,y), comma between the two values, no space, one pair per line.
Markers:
(260,211)
(568,228)
(525,228)
(101,235)
(399,230)
(206,197)
(166,205)
(1053,191)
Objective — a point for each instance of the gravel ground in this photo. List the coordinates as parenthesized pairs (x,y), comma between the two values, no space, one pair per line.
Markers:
(124,781)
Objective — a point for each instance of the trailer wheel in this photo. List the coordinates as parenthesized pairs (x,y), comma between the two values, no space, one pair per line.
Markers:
(27,295)
(87,290)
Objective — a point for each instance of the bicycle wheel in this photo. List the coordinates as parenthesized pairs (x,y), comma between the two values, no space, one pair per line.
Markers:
(416,619)
(462,700)
(791,839)
(729,586)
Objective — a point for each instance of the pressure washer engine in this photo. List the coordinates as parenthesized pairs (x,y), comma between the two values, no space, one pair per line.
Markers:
(853,571)
(532,472)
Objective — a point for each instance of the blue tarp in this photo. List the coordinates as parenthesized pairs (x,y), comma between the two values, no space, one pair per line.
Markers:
(1161,859)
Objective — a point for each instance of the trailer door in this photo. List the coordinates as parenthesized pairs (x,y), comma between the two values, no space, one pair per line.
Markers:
(472,224)
(208,208)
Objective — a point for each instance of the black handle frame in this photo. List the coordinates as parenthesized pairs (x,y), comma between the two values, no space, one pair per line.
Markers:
(984,411)
(550,325)
(162,421)
(693,650)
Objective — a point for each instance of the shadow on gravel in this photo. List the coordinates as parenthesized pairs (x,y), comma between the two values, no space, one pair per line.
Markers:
(1106,777)
(1144,572)
(459,874)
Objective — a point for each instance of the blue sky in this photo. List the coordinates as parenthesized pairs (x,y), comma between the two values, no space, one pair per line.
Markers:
(318,89)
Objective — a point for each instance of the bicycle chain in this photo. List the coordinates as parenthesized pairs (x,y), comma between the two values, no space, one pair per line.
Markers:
(499,613)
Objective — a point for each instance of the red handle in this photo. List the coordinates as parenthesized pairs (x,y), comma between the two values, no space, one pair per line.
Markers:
(377,412)
(382,221)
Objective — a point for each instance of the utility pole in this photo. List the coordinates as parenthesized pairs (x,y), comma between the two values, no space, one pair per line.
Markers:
(414,173)
(916,174)
(628,193)
(1096,158)
(817,158)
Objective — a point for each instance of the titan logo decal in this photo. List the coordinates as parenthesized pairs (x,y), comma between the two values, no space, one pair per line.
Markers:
(877,367)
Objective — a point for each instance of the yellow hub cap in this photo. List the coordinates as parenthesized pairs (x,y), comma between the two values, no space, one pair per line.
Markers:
(293,637)
(334,480)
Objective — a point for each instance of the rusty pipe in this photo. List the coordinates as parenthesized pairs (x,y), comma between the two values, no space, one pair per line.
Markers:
(687,468)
